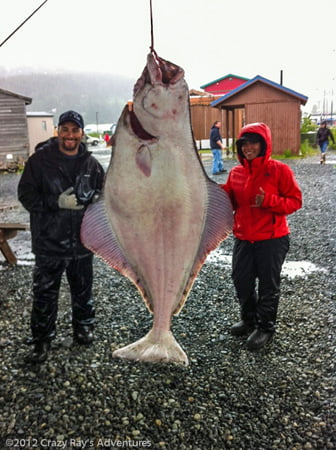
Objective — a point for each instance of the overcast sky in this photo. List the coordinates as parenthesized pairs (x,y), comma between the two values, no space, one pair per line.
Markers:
(208,38)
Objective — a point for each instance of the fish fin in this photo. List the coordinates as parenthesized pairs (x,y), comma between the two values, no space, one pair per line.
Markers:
(152,348)
(144,160)
(219,223)
(98,236)
(219,220)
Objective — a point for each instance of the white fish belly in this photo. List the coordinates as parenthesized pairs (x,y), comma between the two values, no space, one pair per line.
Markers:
(159,219)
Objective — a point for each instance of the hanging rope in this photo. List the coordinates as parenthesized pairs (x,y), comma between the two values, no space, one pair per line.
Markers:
(152,29)
(2,43)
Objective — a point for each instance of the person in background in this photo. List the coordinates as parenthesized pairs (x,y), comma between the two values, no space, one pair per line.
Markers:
(217,146)
(58,182)
(107,139)
(322,139)
(263,192)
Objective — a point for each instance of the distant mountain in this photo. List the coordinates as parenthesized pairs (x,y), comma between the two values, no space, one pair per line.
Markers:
(55,92)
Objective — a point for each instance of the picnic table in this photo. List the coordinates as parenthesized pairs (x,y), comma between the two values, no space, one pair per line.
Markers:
(8,231)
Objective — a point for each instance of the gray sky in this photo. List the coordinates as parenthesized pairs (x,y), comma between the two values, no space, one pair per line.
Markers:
(208,38)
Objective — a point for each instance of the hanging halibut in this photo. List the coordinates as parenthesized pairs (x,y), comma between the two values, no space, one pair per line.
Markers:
(160,214)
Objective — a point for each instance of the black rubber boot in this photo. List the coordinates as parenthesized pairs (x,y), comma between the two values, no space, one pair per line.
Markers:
(258,339)
(40,352)
(84,335)
(241,328)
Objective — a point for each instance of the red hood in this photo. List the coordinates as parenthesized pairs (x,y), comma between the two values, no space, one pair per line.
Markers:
(264,131)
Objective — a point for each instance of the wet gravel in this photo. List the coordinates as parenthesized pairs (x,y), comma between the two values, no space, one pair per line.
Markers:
(282,397)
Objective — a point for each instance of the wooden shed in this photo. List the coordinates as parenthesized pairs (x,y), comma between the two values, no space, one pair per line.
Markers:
(262,100)
(14,142)
(203,115)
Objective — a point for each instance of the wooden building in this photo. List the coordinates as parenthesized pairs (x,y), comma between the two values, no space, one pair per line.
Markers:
(262,100)
(14,142)
(203,115)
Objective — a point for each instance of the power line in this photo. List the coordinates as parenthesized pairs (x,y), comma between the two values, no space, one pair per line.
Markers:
(8,37)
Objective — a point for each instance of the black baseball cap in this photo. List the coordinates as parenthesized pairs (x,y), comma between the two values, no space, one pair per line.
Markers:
(71,116)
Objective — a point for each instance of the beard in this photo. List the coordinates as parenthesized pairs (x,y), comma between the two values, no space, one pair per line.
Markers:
(69,145)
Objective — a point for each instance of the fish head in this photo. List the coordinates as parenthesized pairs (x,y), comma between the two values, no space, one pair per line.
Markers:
(161,96)
(158,71)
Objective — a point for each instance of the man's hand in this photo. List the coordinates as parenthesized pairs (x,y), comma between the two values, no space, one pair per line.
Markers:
(68,200)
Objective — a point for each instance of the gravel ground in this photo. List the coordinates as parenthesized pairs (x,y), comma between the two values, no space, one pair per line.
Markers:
(282,397)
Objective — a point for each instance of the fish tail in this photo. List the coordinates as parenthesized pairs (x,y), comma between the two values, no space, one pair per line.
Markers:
(152,348)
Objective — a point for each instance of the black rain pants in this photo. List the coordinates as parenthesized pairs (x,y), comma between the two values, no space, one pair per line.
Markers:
(47,276)
(262,261)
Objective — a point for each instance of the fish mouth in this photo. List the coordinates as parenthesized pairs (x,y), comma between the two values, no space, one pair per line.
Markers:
(158,71)
(163,71)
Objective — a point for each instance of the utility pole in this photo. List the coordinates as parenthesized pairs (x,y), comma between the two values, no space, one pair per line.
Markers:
(331,106)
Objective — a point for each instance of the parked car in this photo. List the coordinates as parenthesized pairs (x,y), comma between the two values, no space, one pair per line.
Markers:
(90,140)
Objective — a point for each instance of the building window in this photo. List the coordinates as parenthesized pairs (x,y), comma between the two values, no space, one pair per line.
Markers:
(44,125)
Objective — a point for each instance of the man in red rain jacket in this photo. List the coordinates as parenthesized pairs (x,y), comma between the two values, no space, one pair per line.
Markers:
(263,192)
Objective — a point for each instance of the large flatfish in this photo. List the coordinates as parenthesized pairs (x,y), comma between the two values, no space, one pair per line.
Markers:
(160,214)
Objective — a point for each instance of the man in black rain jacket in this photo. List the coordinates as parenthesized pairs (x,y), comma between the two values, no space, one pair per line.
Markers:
(58,182)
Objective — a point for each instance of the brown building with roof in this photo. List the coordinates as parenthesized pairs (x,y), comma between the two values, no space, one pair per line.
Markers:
(203,115)
(262,100)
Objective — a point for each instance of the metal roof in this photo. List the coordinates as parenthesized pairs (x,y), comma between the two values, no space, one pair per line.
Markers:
(38,114)
(27,100)
(240,88)
(230,75)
